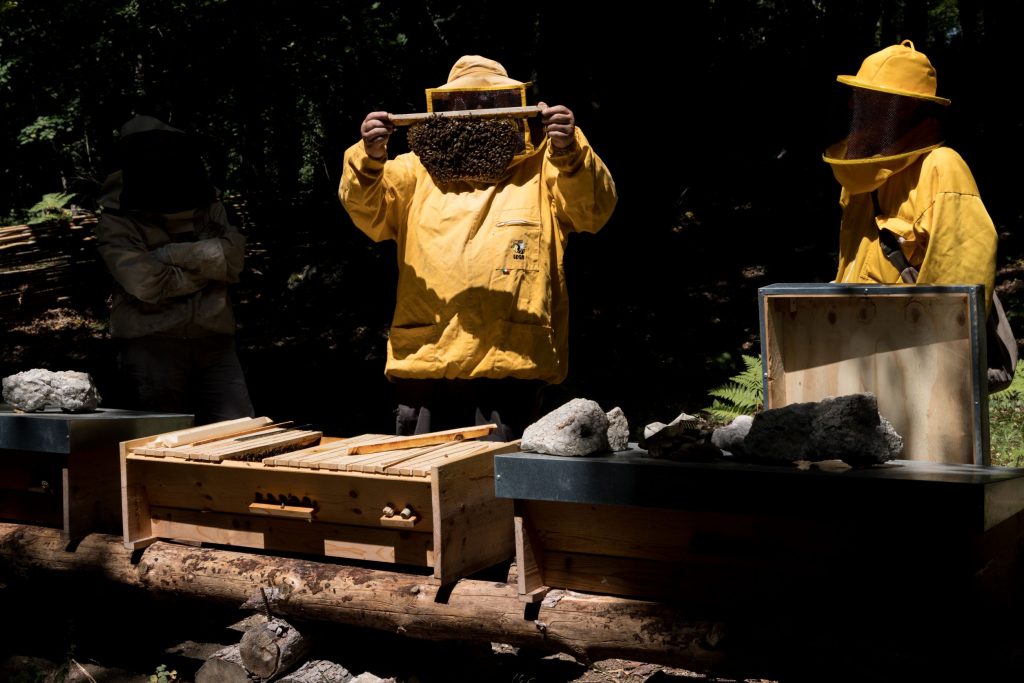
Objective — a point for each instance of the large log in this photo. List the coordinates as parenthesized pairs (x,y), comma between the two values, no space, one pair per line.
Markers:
(588,627)
(910,628)
(318,671)
(272,649)
(224,666)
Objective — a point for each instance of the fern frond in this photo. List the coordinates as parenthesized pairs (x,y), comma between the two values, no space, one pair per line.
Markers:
(736,395)
(52,205)
(721,412)
(743,394)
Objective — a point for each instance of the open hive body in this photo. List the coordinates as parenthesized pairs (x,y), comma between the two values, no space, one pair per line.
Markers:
(293,490)
(921,350)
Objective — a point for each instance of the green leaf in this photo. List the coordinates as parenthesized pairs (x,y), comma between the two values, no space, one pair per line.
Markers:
(743,394)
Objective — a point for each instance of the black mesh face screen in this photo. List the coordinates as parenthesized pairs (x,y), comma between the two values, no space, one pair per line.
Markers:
(879,121)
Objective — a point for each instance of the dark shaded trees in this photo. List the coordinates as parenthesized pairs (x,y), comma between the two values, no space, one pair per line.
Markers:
(711,115)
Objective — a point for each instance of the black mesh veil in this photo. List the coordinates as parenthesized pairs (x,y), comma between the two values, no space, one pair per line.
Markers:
(880,123)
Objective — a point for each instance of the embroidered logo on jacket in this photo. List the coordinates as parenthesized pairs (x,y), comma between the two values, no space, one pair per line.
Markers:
(518,250)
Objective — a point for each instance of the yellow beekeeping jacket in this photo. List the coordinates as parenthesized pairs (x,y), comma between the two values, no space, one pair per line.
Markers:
(928,198)
(481,285)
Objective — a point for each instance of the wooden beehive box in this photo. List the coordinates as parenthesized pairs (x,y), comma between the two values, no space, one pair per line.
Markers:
(726,534)
(920,349)
(318,495)
(60,469)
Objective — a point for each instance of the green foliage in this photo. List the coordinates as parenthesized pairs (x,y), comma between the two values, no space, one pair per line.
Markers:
(1006,423)
(52,206)
(44,129)
(743,394)
(162,675)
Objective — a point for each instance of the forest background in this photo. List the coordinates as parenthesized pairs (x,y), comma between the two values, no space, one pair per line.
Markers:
(711,115)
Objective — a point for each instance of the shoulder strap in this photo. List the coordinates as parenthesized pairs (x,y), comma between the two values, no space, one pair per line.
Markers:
(1001,346)
(890,244)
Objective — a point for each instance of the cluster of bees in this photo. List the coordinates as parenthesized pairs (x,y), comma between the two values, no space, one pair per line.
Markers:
(466,149)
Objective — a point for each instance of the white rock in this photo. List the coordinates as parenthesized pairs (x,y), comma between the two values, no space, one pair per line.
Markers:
(38,389)
(580,427)
(618,430)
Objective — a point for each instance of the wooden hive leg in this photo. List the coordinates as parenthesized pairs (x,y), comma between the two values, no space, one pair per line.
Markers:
(529,560)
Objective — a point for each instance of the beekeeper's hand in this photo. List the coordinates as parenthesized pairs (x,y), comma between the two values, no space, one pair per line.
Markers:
(559,125)
(376,130)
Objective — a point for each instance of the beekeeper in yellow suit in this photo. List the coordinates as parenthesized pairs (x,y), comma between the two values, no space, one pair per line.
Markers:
(481,318)
(902,188)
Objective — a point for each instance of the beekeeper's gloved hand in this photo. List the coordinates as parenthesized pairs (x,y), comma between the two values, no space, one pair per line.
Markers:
(559,125)
(376,130)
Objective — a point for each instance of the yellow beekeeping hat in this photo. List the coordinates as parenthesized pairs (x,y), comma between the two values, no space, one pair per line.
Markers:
(898,70)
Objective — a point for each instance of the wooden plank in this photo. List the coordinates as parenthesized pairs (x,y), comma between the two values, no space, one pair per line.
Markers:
(250,445)
(624,576)
(285,511)
(250,430)
(193,434)
(399,442)
(399,522)
(912,352)
(340,497)
(666,535)
(515,112)
(472,528)
(429,454)
(376,461)
(311,457)
(353,550)
(413,464)
(411,547)
(92,492)
(529,561)
(334,457)
(422,465)
(135,518)
(270,444)
(304,458)
(343,462)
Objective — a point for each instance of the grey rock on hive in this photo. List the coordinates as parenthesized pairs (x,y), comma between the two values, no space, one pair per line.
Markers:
(580,427)
(847,428)
(38,389)
(618,430)
(730,437)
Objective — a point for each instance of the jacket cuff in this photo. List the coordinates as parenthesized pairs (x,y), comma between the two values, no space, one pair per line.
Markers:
(567,157)
(368,163)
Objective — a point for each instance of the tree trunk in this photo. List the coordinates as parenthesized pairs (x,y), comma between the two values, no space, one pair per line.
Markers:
(318,671)
(272,649)
(223,666)
(588,627)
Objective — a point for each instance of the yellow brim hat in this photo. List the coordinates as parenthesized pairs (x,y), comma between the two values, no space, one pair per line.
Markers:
(898,70)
